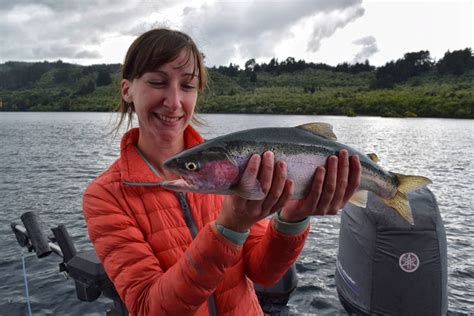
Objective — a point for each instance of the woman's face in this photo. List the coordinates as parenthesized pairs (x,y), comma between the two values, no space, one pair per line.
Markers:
(164,99)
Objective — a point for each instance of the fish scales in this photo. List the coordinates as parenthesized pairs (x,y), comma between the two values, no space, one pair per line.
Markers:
(286,143)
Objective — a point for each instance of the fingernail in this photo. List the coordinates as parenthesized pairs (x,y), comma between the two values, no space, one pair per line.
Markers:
(282,165)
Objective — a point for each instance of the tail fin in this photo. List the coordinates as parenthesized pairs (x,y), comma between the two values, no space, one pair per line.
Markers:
(400,202)
(407,184)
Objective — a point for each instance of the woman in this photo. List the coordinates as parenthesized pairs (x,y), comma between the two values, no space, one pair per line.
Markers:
(171,253)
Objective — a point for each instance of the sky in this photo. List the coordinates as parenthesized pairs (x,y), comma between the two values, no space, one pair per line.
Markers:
(322,31)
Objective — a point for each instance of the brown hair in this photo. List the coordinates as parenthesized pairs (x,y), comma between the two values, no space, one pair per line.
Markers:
(151,50)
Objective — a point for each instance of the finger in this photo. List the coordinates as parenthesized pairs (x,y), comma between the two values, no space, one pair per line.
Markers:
(354,178)
(329,185)
(248,179)
(266,171)
(285,196)
(312,200)
(341,182)
(278,185)
(265,177)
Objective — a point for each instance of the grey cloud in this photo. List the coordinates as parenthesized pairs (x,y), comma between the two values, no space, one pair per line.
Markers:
(252,30)
(331,24)
(369,47)
(47,29)
(50,29)
(31,52)
(87,54)
(140,28)
(59,6)
(137,29)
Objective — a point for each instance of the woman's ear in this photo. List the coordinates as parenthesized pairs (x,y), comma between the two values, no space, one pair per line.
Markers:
(125,87)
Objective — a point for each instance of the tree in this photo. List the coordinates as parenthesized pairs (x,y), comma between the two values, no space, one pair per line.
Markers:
(272,65)
(253,77)
(86,87)
(103,78)
(61,75)
(232,70)
(456,62)
(250,65)
(412,64)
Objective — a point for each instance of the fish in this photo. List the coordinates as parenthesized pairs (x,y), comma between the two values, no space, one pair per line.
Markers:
(216,165)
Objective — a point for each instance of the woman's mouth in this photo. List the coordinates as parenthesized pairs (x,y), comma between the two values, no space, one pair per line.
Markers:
(168,119)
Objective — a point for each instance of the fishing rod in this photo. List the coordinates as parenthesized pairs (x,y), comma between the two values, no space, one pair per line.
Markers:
(83,267)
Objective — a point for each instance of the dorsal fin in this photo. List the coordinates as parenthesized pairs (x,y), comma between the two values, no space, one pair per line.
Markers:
(320,129)
(373,157)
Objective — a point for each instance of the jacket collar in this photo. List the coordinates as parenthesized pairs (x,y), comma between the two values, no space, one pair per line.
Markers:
(134,169)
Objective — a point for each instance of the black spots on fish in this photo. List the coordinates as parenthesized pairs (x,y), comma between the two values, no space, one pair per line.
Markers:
(272,149)
(376,170)
(211,154)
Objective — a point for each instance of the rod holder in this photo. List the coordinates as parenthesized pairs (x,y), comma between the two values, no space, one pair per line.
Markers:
(36,236)
(65,242)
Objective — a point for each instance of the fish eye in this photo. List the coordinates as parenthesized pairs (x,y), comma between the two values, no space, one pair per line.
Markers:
(191,166)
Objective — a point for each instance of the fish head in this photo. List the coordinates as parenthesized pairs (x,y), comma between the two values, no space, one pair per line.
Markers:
(203,168)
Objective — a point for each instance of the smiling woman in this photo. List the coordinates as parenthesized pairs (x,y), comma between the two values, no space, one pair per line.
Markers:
(164,101)
(192,253)
(148,54)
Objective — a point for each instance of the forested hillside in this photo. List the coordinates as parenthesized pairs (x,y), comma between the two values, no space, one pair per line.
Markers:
(413,85)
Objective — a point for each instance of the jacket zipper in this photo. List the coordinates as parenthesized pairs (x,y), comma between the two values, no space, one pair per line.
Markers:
(183,202)
(194,231)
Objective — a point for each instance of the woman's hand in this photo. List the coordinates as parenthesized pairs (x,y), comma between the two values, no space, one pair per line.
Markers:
(238,213)
(331,189)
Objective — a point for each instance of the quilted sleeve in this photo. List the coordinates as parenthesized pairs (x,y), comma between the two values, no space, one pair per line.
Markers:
(268,254)
(134,270)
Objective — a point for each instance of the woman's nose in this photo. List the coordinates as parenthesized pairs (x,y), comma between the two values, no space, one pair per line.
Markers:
(172,98)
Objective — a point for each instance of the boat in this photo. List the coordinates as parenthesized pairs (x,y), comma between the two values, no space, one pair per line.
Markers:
(384,265)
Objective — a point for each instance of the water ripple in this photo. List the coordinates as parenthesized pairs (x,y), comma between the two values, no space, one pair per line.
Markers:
(47,160)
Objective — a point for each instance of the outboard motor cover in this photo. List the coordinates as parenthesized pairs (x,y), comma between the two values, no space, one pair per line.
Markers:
(386,266)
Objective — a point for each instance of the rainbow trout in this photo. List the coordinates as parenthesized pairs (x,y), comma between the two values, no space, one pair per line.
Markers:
(216,165)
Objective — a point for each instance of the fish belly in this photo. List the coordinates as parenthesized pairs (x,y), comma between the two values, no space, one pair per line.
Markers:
(301,169)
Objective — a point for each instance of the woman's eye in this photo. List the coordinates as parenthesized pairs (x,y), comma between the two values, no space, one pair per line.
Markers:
(189,86)
(191,166)
(156,82)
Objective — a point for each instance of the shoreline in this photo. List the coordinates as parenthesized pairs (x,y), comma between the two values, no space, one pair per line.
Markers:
(267,114)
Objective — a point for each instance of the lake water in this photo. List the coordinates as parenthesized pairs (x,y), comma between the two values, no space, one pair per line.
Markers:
(47,159)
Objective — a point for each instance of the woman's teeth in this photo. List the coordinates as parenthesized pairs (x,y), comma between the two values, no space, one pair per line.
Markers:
(167,118)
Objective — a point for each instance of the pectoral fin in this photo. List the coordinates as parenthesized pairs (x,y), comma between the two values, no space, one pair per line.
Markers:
(359,198)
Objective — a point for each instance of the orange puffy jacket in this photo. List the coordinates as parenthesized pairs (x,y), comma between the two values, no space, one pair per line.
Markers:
(144,238)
